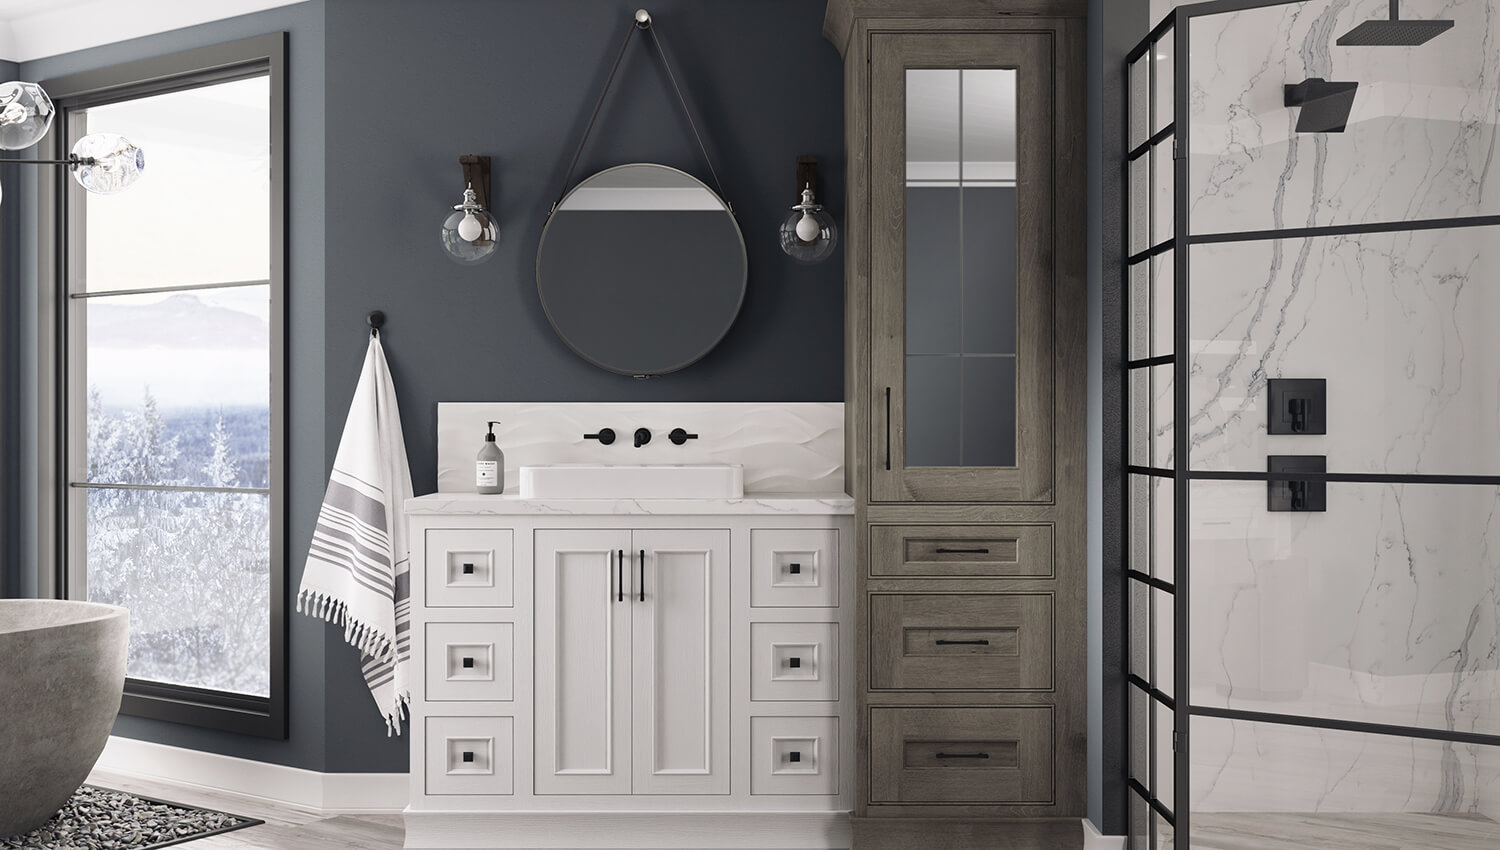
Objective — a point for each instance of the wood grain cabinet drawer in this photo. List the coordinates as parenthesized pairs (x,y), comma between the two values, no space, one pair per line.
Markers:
(794,567)
(961,641)
(961,551)
(469,755)
(961,755)
(469,567)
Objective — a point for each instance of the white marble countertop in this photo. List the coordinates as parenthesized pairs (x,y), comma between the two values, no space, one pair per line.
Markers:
(473,504)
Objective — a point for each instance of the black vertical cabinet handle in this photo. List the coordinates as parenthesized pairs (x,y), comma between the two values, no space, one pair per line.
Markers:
(643,575)
(887,427)
(620,574)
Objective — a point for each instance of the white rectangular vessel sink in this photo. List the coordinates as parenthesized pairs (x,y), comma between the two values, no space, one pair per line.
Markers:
(651,481)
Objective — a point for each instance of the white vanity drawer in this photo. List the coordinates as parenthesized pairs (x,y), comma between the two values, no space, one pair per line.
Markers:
(794,567)
(470,755)
(794,755)
(470,661)
(794,661)
(469,568)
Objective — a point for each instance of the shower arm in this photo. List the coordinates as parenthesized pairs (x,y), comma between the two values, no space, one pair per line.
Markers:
(1395,10)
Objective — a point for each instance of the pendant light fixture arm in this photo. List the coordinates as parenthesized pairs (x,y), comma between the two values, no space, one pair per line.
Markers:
(73,161)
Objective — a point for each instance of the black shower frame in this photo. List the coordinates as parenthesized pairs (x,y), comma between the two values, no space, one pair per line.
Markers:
(1179,23)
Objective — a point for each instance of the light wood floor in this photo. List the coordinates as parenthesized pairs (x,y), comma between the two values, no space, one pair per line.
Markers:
(1354,831)
(285,828)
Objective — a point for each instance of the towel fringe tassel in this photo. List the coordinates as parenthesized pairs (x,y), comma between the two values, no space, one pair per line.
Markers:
(366,638)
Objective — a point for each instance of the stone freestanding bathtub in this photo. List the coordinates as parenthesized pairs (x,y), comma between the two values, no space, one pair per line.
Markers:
(62,670)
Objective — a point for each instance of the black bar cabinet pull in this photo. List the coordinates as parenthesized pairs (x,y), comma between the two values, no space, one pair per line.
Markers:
(943,551)
(620,574)
(643,575)
(941,642)
(963,755)
(887,427)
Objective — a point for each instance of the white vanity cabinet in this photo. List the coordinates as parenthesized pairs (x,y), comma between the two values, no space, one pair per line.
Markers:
(654,673)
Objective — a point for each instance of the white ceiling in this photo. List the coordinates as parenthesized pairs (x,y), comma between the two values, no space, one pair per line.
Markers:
(36,29)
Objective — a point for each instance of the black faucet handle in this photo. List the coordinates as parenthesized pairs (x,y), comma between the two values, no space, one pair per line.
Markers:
(642,436)
(605,436)
(679,436)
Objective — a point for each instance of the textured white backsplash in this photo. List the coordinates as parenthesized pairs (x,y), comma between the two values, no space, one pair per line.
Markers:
(792,447)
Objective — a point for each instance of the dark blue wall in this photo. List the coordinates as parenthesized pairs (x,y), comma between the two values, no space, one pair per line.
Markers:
(385,95)
(412,86)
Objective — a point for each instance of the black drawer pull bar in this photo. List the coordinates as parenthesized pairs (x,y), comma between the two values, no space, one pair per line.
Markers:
(941,642)
(963,755)
(942,551)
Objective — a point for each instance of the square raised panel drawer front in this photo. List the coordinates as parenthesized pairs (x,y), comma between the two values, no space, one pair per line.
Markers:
(794,568)
(935,641)
(470,661)
(794,755)
(469,568)
(961,755)
(469,755)
(794,661)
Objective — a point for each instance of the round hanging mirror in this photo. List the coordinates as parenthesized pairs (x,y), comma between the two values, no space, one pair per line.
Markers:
(641,269)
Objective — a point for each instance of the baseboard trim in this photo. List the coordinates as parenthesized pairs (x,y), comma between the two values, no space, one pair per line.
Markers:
(1093,839)
(629,830)
(306,790)
(938,833)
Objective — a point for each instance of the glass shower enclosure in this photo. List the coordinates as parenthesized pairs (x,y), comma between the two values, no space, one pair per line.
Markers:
(1313,416)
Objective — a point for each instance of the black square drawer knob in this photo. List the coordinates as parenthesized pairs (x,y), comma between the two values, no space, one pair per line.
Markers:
(794,569)
(468,756)
(468,662)
(468,569)
(794,756)
(794,662)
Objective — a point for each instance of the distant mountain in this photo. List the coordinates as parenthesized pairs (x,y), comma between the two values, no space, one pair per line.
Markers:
(177,321)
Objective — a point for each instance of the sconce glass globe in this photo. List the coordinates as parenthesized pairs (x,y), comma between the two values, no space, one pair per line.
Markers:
(470,234)
(809,234)
(25,115)
(117,163)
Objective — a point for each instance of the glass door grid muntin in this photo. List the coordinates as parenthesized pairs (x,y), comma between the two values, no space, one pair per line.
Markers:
(1177,24)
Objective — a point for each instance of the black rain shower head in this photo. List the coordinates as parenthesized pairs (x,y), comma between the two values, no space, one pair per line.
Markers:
(1394,32)
(1325,105)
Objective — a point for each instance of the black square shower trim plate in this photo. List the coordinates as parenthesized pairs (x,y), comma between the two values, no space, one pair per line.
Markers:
(1297,406)
(1296,496)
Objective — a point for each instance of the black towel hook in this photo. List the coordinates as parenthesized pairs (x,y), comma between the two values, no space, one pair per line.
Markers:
(376,319)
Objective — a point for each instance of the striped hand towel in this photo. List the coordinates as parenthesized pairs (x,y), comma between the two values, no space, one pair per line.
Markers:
(357,571)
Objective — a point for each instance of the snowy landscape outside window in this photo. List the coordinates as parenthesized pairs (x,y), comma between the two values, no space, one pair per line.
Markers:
(170,383)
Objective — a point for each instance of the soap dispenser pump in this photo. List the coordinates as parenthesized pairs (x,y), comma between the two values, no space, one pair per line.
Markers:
(489,467)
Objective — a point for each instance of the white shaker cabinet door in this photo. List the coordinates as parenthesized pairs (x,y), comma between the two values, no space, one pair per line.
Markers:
(583,612)
(680,661)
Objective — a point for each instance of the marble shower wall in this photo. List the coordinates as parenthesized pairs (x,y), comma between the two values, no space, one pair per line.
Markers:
(1386,608)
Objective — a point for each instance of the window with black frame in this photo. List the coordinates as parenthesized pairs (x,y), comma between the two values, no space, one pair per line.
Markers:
(171,383)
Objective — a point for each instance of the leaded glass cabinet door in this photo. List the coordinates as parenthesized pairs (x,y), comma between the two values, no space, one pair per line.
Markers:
(963,267)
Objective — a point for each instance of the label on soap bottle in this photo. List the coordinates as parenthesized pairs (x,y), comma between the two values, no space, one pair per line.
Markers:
(486,473)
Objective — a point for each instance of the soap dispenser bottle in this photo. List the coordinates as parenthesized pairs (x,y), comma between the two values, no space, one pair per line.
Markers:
(489,467)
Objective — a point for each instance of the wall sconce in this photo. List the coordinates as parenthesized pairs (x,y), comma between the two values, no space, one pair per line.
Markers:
(808,235)
(470,234)
(102,163)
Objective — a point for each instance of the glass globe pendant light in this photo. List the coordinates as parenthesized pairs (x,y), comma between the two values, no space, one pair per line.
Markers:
(470,233)
(107,163)
(25,115)
(809,234)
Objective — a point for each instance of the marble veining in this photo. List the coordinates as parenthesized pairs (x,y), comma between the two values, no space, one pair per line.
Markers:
(785,504)
(785,447)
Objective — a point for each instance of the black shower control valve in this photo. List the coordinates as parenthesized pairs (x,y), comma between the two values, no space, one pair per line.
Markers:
(1297,406)
(468,662)
(679,436)
(468,756)
(1296,495)
(606,436)
(794,756)
(794,569)
(642,436)
(794,662)
(468,569)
